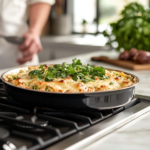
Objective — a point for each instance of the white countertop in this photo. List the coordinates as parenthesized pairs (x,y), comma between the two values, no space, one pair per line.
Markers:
(136,134)
(133,136)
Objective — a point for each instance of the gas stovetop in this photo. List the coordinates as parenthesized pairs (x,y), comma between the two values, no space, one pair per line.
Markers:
(25,127)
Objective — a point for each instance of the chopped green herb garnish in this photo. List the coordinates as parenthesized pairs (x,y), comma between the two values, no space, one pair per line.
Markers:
(15,77)
(47,88)
(41,66)
(87,79)
(75,77)
(115,73)
(63,74)
(38,74)
(105,77)
(76,70)
(35,87)
(9,79)
(49,76)
(111,83)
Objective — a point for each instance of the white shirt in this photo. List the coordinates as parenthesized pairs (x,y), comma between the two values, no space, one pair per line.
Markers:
(13,17)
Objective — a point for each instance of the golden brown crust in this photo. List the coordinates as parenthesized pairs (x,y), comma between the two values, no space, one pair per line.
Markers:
(116,81)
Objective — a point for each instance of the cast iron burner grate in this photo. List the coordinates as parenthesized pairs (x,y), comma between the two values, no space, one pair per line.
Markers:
(31,128)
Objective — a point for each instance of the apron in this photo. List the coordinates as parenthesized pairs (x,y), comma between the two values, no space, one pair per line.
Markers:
(13,17)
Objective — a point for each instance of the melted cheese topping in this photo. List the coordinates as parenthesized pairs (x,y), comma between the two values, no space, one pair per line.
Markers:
(116,81)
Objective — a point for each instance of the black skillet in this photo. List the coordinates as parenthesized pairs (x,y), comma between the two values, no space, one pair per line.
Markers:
(97,100)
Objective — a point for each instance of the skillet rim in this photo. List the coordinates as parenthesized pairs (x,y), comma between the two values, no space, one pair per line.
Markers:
(98,92)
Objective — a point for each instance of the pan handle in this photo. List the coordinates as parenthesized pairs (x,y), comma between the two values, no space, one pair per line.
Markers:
(109,101)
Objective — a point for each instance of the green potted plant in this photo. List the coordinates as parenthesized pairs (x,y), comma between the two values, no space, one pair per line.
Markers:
(132,29)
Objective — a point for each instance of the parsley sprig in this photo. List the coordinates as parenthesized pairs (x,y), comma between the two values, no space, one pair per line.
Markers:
(76,70)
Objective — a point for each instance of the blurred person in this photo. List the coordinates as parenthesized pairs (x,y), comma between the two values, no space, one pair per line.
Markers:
(13,22)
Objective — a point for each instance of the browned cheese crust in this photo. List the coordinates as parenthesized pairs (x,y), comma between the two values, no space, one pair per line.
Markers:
(117,80)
